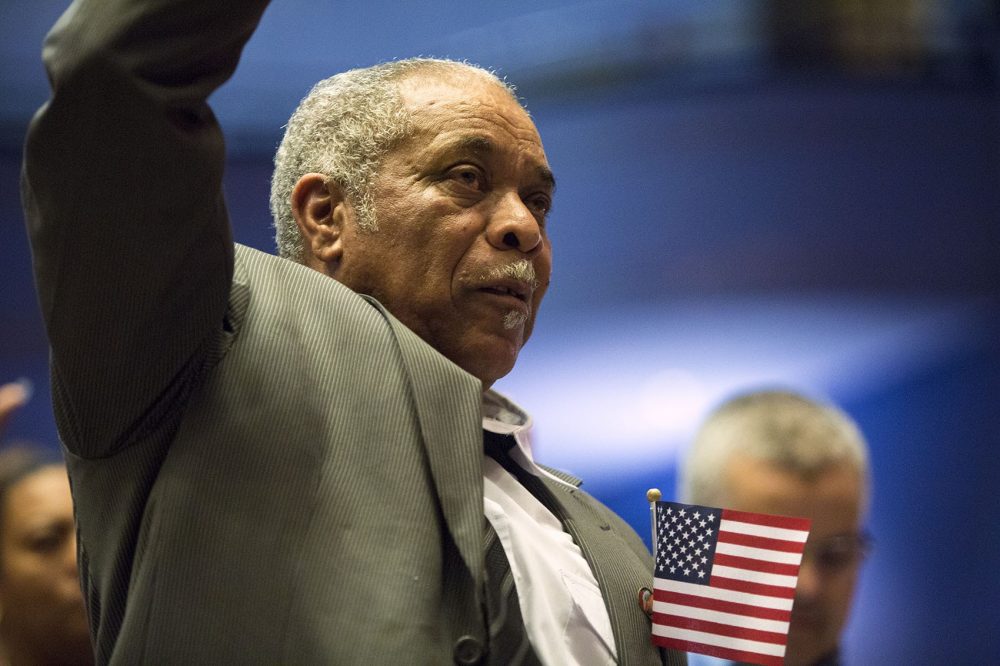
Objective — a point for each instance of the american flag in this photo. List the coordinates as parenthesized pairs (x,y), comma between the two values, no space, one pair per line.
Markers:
(725,581)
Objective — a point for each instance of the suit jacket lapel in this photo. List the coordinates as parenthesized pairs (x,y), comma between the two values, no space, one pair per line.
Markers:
(449,407)
(619,572)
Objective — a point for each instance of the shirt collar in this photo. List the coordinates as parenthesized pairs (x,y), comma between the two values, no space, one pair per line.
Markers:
(503,416)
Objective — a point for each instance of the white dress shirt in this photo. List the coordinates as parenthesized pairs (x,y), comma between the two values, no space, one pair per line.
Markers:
(560,601)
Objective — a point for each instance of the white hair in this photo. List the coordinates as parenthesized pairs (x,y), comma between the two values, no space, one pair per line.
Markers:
(781,428)
(342,129)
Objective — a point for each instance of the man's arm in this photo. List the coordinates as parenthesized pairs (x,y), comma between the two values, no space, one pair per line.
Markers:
(122,193)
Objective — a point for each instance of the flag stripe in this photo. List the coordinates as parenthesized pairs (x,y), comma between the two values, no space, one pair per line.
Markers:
(761,577)
(740,623)
(752,529)
(708,603)
(786,522)
(757,647)
(735,596)
(724,628)
(752,588)
(718,651)
(761,542)
(758,554)
(755,564)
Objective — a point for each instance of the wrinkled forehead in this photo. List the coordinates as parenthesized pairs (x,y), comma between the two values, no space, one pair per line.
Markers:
(456,92)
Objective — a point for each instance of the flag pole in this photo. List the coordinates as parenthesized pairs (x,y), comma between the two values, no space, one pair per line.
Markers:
(653,496)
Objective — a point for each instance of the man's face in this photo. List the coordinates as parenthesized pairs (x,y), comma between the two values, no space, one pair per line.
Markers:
(834,503)
(39,586)
(465,195)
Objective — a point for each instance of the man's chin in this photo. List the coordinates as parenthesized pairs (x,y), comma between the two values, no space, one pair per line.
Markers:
(490,374)
(488,360)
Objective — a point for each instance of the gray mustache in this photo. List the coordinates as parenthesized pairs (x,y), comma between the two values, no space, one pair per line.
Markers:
(521,270)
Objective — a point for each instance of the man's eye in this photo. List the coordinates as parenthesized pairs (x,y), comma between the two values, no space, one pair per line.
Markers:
(539,205)
(843,552)
(469,177)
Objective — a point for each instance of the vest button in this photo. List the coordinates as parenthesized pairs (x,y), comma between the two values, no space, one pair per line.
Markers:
(468,651)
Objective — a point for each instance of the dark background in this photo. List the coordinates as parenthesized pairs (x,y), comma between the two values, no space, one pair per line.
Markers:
(750,193)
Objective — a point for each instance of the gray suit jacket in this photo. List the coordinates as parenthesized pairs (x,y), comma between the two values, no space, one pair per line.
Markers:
(267,467)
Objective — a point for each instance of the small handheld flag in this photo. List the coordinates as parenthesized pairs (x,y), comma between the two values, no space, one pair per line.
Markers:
(724,581)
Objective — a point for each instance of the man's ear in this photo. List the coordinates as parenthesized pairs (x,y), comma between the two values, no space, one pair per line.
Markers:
(320,208)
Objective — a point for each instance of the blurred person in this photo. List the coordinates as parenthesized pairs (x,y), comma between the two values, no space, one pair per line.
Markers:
(780,453)
(300,458)
(42,618)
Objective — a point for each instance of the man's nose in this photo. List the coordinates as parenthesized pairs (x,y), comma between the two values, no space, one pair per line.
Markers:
(512,226)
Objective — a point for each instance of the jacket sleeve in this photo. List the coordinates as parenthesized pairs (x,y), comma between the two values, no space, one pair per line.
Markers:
(121,186)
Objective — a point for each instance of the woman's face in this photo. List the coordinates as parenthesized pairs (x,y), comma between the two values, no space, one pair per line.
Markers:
(43,612)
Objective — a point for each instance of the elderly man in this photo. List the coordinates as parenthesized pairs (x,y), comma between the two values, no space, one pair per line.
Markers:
(780,453)
(281,460)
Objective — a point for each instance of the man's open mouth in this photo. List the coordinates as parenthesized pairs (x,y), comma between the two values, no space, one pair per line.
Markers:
(508,289)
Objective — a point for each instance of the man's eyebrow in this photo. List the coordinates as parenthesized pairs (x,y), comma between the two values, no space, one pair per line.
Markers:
(545,174)
(483,146)
(476,144)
